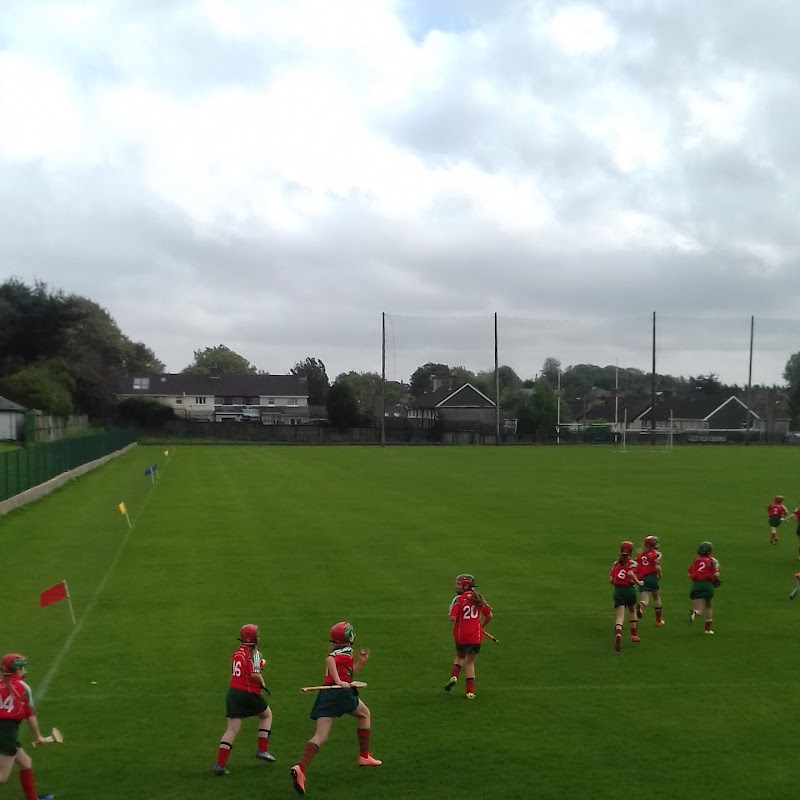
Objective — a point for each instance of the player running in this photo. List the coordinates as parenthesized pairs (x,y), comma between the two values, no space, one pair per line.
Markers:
(704,574)
(776,512)
(648,570)
(470,614)
(333,703)
(16,704)
(622,577)
(796,515)
(244,699)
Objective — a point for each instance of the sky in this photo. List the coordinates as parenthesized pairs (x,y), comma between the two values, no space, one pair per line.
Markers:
(274,176)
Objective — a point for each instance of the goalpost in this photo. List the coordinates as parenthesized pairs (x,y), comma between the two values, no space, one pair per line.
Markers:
(667,435)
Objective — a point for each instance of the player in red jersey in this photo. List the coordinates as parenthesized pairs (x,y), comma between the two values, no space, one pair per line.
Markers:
(796,515)
(16,704)
(776,513)
(648,570)
(333,703)
(622,577)
(470,614)
(244,699)
(704,574)
(796,586)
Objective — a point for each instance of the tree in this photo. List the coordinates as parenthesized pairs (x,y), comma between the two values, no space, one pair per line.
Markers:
(46,385)
(706,384)
(219,360)
(551,370)
(367,390)
(313,370)
(422,377)
(138,357)
(791,373)
(142,411)
(342,405)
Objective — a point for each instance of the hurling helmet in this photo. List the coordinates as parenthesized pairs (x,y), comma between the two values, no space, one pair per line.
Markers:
(249,634)
(13,662)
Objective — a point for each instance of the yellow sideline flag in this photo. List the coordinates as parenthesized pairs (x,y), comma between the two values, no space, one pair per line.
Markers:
(122,509)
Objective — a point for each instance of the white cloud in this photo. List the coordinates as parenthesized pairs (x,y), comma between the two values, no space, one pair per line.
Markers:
(282,172)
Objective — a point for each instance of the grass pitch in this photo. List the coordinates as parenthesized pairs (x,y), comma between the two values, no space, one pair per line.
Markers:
(296,539)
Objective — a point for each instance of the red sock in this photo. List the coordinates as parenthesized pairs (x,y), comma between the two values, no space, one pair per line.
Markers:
(309,751)
(658,613)
(263,741)
(634,627)
(26,779)
(363,741)
(456,671)
(223,753)
(708,624)
(470,685)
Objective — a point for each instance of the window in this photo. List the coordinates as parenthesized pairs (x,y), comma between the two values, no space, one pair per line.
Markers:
(292,401)
(178,401)
(201,401)
(141,383)
(271,401)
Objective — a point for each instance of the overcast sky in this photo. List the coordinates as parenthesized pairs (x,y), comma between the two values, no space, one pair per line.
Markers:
(274,174)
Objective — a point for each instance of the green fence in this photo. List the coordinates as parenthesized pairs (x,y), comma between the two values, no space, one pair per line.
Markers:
(27,467)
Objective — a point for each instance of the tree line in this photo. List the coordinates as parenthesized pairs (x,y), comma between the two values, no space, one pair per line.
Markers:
(63,354)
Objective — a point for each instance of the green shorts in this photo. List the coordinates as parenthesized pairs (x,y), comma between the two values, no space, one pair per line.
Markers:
(9,737)
(774,522)
(624,596)
(650,583)
(240,704)
(335,703)
(702,590)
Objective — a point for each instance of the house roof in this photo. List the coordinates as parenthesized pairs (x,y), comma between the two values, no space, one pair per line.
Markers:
(465,396)
(227,385)
(713,408)
(609,412)
(10,405)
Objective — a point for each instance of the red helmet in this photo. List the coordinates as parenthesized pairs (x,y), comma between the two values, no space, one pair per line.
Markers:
(249,634)
(465,582)
(342,633)
(651,541)
(626,547)
(12,662)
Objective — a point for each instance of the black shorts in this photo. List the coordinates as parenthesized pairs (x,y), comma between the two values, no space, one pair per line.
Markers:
(240,704)
(463,649)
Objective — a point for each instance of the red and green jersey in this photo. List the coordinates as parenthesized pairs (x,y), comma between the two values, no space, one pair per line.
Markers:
(16,699)
(242,672)
(647,563)
(620,573)
(468,618)
(704,568)
(796,513)
(343,658)
(776,510)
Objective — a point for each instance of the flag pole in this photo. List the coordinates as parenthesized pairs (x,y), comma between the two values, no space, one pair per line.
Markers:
(69,601)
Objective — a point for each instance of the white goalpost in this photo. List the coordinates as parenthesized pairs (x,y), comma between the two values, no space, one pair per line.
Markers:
(667,434)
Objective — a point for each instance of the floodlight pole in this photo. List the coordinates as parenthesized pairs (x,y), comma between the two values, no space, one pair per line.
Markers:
(750,383)
(383,378)
(653,389)
(496,385)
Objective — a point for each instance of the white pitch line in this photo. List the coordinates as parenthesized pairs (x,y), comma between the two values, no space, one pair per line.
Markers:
(290,691)
(41,692)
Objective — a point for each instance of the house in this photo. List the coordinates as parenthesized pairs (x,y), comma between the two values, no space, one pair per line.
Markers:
(698,413)
(614,411)
(12,421)
(462,407)
(263,399)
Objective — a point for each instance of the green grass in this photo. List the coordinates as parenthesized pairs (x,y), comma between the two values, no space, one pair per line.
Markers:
(296,539)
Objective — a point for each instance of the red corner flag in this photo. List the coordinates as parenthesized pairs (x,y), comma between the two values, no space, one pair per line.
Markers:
(53,594)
